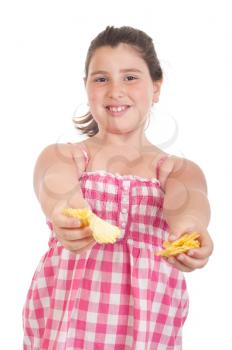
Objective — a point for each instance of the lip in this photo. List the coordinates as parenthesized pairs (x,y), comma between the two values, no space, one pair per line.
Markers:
(117,113)
(117,105)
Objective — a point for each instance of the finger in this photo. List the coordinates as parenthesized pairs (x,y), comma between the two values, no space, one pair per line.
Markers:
(191,263)
(178,265)
(173,237)
(77,245)
(67,222)
(199,253)
(205,250)
(73,234)
(177,232)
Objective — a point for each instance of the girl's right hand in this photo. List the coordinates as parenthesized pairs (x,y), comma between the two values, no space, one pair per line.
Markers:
(69,232)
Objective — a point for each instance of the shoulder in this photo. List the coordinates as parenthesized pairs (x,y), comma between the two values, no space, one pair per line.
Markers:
(53,154)
(164,166)
(49,159)
(63,152)
(184,171)
(55,158)
(57,152)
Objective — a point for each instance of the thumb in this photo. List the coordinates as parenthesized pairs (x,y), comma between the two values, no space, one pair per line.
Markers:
(187,224)
(174,235)
(177,232)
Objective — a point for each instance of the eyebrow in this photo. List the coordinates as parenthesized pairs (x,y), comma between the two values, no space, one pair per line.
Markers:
(122,70)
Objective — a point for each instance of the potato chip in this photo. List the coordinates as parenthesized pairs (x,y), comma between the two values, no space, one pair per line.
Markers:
(103,232)
(82,214)
(181,245)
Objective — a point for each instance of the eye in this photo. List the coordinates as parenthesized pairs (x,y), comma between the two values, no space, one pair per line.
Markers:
(100,80)
(131,77)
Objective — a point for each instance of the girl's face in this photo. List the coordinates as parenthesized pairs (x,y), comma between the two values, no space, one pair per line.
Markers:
(120,89)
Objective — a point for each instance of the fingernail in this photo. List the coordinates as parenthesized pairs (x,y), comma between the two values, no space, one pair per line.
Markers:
(171,260)
(190,252)
(180,257)
(172,237)
(76,223)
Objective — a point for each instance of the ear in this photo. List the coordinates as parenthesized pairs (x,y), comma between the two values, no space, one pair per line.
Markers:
(156,90)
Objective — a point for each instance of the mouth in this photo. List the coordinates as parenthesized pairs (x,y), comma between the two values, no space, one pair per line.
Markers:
(117,111)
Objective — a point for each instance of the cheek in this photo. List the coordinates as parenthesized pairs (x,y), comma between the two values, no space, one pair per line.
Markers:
(95,105)
(146,95)
(143,95)
(94,97)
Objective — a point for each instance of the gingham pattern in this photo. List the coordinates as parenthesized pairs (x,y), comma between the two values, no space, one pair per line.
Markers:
(111,297)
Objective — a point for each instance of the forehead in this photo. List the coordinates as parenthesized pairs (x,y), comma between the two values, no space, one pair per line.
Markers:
(123,56)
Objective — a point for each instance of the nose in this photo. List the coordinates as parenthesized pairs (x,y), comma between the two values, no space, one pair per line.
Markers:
(116,90)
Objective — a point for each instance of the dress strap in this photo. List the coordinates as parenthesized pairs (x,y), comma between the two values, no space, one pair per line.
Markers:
(84,151)
(159,164)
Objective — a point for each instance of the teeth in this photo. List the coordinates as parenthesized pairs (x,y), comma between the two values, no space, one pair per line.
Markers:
(117,109)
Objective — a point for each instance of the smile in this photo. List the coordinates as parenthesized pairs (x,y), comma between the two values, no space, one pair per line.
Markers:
(117,111)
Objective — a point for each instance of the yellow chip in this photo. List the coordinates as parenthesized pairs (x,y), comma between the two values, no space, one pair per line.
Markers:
(103,232)
(82,214)
(181,245)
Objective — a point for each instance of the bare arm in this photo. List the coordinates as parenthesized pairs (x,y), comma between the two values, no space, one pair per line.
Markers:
(56,177)
(186,206)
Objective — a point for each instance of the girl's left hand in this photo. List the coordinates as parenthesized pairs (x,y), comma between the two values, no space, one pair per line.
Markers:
(194,258)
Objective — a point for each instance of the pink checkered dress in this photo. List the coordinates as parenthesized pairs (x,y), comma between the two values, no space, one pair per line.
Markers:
(113,296)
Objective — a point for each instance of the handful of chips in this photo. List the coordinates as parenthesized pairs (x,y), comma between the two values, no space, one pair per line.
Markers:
(103,232)
(181,245)
(82,214)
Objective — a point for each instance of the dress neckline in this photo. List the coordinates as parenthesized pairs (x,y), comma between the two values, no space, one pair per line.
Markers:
(120,176)
(117,175)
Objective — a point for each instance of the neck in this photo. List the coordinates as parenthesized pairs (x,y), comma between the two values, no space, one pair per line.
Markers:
(136,140)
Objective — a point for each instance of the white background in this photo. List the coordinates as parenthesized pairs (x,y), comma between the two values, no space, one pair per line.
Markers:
(43,48)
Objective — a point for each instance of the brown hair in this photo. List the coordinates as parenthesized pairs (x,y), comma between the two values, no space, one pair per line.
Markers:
(112,37)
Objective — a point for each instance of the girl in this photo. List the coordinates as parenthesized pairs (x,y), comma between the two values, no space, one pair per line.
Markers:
(86,295)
